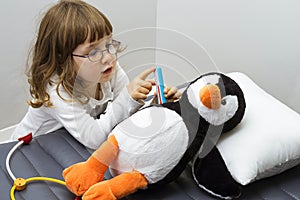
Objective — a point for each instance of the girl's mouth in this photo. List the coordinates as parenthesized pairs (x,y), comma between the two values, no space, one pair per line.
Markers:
(107,71)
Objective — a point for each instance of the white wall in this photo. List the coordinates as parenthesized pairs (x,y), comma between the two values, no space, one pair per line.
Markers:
(18,22)
(259,38)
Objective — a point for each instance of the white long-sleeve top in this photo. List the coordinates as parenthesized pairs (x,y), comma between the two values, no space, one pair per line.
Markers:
(80,119)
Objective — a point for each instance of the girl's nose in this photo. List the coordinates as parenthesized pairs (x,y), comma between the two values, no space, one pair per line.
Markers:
(107,58)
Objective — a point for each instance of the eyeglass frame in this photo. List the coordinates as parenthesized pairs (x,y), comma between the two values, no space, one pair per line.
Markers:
(101,51)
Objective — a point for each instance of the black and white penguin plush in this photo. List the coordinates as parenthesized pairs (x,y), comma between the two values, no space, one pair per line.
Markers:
(154,145)
(211,105)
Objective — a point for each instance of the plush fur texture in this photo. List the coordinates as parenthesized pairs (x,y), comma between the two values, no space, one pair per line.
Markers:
(198,127)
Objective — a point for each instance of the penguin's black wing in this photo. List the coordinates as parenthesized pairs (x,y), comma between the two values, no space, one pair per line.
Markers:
(212,175)
(197,128)
(173,106)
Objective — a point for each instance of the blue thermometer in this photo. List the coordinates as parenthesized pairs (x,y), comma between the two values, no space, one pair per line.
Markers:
(160,87)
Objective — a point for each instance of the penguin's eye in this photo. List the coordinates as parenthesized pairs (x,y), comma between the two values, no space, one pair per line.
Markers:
(223,102)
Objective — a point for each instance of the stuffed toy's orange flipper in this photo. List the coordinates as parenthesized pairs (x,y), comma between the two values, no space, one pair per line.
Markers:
(81,176)
(117,187)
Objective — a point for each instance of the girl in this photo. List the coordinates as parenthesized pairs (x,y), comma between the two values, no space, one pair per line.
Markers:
(75,79)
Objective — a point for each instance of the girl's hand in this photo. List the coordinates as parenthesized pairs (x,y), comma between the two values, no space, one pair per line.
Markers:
(139,87)
(172,94)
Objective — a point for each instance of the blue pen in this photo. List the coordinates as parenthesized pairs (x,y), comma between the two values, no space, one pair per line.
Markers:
(160,87)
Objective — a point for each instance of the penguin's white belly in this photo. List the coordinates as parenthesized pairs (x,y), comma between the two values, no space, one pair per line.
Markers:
(152,141)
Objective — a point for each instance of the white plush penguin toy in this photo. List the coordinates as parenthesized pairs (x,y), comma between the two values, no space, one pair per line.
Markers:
(154,145)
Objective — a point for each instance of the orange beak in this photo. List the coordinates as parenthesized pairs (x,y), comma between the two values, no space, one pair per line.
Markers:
(210,96)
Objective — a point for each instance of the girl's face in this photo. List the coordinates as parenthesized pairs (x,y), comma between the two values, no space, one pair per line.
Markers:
(95,72)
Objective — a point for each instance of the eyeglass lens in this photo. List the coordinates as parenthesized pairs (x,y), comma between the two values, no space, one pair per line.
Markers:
(96,54)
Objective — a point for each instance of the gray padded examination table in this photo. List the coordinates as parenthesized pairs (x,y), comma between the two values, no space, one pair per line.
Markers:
(49,154)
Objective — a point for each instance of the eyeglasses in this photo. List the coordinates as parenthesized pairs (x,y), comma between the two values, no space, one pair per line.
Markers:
(96,54)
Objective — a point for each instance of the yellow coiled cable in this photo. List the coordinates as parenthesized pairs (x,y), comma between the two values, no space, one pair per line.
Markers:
(20,183)
(12,191)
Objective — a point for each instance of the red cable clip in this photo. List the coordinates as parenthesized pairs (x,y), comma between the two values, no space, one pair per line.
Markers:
(26,139)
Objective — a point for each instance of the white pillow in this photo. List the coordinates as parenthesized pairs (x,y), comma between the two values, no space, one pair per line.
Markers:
(267,142)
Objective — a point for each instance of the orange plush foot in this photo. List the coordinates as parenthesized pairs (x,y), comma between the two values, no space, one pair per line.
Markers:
(117,187)
(81,176)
